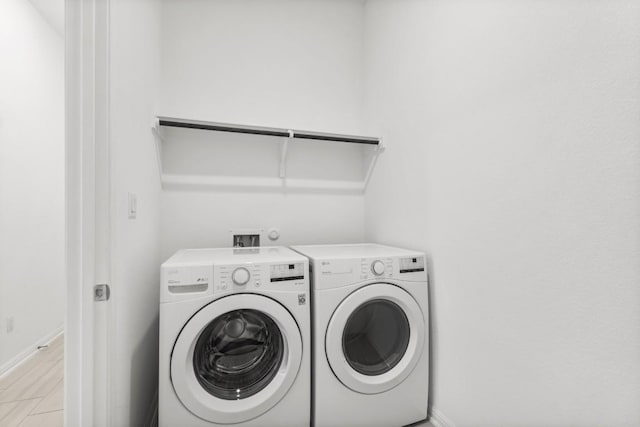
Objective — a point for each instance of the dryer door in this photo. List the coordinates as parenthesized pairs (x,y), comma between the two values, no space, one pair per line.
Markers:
(236,358)
(375,338)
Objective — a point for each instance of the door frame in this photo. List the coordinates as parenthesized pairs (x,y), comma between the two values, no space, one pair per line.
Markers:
(87,217)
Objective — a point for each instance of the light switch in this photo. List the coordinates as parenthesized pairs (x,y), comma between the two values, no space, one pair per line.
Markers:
(133,206)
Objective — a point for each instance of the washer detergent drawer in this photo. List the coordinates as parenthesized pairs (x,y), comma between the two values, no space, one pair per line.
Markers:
(186,280)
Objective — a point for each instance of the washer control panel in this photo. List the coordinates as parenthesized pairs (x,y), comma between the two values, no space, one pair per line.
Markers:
(235,277)
(377,267)
(250,277)
(240,276)
(201,273)
(283,272)
(411,265)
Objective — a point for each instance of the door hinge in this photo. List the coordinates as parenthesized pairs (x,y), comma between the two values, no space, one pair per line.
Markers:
(101,292)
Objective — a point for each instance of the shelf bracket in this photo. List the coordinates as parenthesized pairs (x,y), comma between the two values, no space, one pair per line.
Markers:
(158,140)
(283,155)
(377,150)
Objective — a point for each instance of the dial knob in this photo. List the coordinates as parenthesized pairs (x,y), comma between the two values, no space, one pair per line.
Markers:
(377,267)
(240,276)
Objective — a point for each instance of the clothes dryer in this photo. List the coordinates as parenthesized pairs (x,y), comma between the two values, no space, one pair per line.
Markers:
(370,322)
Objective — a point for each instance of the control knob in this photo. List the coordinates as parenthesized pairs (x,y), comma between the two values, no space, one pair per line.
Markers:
(240,276)
(377,267)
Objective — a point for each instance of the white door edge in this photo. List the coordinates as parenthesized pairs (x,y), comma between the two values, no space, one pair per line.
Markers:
(86,400)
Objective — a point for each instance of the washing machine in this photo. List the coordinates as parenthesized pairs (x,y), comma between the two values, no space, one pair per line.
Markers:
(234,338)
(370,356)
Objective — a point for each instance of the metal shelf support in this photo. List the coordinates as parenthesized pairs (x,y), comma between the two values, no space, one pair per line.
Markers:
(283,156)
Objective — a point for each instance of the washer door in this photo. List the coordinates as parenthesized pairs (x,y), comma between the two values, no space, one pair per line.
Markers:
(236,358)
(375,338)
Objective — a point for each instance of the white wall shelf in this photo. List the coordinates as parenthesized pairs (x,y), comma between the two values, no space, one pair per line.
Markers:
(281,182)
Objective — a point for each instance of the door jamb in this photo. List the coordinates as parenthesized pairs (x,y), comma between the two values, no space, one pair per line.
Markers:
(87,226)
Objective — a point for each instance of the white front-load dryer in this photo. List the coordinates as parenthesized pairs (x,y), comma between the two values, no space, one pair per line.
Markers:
(370,359)
(234,338)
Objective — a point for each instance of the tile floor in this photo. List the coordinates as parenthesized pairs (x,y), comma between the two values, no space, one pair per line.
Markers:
(32,394)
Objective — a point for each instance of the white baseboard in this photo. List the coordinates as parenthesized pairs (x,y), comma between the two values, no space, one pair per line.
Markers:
(438,419)
(28,352)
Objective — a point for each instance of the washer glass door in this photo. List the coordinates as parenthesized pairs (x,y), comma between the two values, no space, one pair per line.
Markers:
(375,338)
(238,354)
(236,358)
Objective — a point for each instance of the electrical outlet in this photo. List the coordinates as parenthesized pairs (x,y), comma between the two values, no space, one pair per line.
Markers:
(9,324)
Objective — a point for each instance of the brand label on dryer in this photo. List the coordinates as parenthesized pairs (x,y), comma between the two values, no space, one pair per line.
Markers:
(336,267)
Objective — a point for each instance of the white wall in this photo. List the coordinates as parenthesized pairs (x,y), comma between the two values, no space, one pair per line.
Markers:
(513,149)
(514,145)
(31,180)
(285,63)
(53,12)
(135,255)
(301,218)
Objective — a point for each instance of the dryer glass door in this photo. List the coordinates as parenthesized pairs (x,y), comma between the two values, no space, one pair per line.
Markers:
(375,338)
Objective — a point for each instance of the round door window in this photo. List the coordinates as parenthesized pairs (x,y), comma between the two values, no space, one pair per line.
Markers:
(376,337)
(238,354)
(236,358)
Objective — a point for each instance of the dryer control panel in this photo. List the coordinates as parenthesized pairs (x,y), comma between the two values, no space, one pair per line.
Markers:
(376,267)
(335,266)
(338,272)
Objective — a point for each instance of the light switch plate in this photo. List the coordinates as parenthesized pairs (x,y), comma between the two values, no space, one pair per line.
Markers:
(133,206)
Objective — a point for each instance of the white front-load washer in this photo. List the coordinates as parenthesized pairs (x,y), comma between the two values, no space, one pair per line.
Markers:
(370,356)
(234,338)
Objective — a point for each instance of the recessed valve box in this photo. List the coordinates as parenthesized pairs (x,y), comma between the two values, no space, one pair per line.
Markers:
(247,237)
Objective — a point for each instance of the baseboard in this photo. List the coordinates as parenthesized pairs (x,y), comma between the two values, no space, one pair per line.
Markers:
(438,419)
(151,420)
(29,351)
